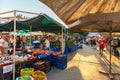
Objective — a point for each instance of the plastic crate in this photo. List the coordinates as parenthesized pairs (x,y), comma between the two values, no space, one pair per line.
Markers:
(43,56)
(47,66)
(25,76)
(39,77)
(26,71)
(62,67)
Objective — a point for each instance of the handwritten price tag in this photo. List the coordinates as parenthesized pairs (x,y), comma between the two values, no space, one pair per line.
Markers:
(7,69)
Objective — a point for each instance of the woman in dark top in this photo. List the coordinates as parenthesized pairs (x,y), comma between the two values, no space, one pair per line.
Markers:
(18,42)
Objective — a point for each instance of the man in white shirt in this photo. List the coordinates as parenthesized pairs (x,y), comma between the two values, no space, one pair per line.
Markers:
(47,43)
(62,43)
(3,44)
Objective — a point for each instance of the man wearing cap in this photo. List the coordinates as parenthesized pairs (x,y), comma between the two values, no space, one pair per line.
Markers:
(101,44)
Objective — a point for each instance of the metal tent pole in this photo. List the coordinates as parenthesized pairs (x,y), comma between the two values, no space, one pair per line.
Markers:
(62,40)
(14,44)
(7,12)
(110,65)
(30,35)
(28,12)
(110,53)
(110,73)
(109,24)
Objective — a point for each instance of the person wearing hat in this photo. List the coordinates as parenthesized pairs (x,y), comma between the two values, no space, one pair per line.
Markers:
(46,43)
(101,44)
(3,44)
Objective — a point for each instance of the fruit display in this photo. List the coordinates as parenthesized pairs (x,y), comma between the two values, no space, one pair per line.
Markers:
(56,53)
(39,51)
(31,57)
(55,43)
(38,75)
(26,71)
(39,65)
(22,58)
(17,58)
(47,51)
(69,43)
(5,60)
(25,78)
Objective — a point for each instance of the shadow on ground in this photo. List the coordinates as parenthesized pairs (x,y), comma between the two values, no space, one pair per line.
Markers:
(72,73)
(101,62)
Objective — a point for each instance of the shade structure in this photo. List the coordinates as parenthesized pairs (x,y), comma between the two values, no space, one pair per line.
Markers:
(98,23)
(71,10)
(22,25)
(10,26)
(40,23)
(88,15)
(44,23)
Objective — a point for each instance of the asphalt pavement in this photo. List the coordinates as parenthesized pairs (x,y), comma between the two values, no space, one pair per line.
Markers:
(86,64)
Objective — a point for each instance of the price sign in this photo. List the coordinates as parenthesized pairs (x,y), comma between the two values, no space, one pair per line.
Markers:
(7,68)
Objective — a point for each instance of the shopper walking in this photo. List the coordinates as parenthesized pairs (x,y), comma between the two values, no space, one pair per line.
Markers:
(101,44)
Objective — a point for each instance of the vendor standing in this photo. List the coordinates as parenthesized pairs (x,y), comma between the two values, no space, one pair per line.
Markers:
(3,44)
(19,43)
(47,43)
(62,43)
(11,41)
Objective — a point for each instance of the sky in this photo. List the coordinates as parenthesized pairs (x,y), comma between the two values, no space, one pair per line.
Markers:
(34,6)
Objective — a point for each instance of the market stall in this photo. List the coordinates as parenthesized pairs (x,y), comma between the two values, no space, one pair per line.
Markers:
(37,57)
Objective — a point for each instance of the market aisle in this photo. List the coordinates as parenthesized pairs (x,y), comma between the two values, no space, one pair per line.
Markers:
(84,64)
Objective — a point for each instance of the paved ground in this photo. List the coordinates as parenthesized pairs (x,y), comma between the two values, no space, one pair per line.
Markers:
(85,64)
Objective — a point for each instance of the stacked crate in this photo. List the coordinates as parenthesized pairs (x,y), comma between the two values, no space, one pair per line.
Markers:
(59,61)
(44,66)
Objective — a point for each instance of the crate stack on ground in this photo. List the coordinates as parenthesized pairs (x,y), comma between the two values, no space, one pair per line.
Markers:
(59,61)
(47,66)
(39,66)
(44,66)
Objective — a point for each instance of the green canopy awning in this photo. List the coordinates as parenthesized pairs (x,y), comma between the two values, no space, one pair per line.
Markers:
(40,23)
(10,26)
(44,23)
